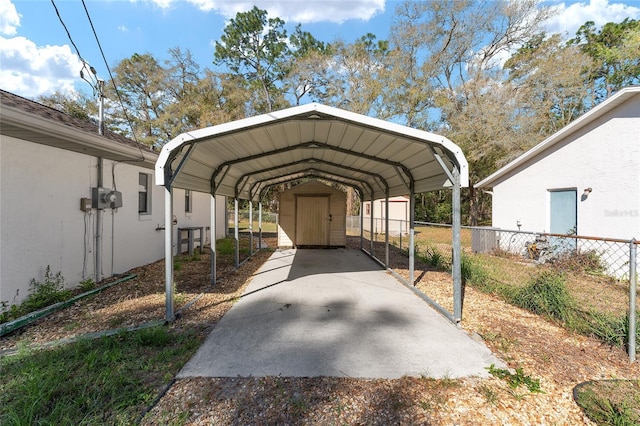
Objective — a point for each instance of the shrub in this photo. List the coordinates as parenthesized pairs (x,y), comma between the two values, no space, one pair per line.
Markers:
(546,294)
(611,329)
(589,262)
(473,272)
(432,257)
(46,293)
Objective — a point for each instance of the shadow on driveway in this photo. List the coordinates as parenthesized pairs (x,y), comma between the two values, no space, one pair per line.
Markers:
(335,312)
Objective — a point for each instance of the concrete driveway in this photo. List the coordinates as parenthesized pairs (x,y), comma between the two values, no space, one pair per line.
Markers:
(334,313)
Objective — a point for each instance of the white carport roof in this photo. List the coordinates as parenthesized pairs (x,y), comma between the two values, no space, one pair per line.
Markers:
(378,158)
(241,158)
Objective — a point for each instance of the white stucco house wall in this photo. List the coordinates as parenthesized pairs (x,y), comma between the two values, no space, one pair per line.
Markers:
(585,178)
(48,169)
(398,215)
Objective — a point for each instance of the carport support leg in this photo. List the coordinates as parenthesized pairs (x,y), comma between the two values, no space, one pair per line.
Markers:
(236,232)
(212,249)
(412,217)
(371,229)
(633,285)
(361,223)
(250,228)
(386,231)
(260,225)
(456,267)
(168,254)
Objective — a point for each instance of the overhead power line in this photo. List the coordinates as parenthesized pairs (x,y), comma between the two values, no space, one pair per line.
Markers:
(113,82)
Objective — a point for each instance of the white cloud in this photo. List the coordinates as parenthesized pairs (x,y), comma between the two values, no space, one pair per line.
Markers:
(568,18)
(9,18)
(31,70)
(123,28)
(299,11)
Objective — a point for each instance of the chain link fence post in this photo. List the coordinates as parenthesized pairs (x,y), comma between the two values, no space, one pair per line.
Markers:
(633,285)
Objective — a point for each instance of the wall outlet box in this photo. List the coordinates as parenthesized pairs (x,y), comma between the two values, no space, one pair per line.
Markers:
(85,204)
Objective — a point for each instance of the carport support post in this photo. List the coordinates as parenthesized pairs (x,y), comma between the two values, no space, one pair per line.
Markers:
(213,239)
(412,218)
(250,228)
(260,225)
(236,232)
(371,229)
(633,285)
(361,223)
(168,253)
(456,267)
(386,230)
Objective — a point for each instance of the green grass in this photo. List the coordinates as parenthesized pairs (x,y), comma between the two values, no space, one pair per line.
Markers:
(111,380)
(610,402)
(546,294)
(243,226)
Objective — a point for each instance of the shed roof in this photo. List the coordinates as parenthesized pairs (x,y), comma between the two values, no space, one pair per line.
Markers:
(575,126)
(241,158)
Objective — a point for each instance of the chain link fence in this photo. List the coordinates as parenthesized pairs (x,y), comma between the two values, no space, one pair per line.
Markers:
(600,273)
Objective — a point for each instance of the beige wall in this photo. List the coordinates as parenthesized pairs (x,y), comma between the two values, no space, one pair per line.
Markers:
(288,213)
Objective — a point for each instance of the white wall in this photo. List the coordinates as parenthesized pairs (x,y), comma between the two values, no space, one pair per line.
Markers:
(41,222)
(604,156)
(398,215)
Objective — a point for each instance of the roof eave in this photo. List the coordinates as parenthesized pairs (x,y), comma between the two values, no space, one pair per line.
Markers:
(82,141)
(596,112)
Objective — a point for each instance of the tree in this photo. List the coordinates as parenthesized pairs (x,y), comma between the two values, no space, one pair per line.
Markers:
(616,52)
(454,51)
(76,104)
(549,96)
(353,80)
(309,57)
(255,48)
(140,83)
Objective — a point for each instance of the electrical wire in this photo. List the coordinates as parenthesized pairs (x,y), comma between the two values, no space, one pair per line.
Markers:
(67,31)
(91,72)
(113,82)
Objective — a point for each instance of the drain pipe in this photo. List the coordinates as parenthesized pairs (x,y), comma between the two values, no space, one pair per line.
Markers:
(99,212)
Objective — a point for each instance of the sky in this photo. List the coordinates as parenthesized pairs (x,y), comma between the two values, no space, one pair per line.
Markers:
(42,41)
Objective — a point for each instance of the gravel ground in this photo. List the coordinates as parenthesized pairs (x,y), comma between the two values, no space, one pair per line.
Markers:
(543,350)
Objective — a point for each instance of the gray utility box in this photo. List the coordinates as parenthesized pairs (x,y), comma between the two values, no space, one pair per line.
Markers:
(105,198)
(485,240)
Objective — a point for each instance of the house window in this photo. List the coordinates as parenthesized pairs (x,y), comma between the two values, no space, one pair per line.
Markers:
(367,209)
(144,193)
(187,201)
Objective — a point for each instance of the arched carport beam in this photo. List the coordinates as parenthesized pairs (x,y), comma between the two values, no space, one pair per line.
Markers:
(320,146)
(321,175)
(288,177)
(311,175)
(246,176)
(344,180)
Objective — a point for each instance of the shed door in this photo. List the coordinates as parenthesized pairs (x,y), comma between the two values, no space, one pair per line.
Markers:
(312,214)
(564,218)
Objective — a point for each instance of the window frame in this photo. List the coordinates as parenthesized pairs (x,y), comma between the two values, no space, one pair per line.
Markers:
(144,190)
(188,201)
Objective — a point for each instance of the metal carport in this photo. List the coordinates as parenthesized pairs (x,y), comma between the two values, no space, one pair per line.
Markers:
(379,159)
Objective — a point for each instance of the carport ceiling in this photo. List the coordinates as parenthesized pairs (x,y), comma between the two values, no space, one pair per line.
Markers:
(241,158)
